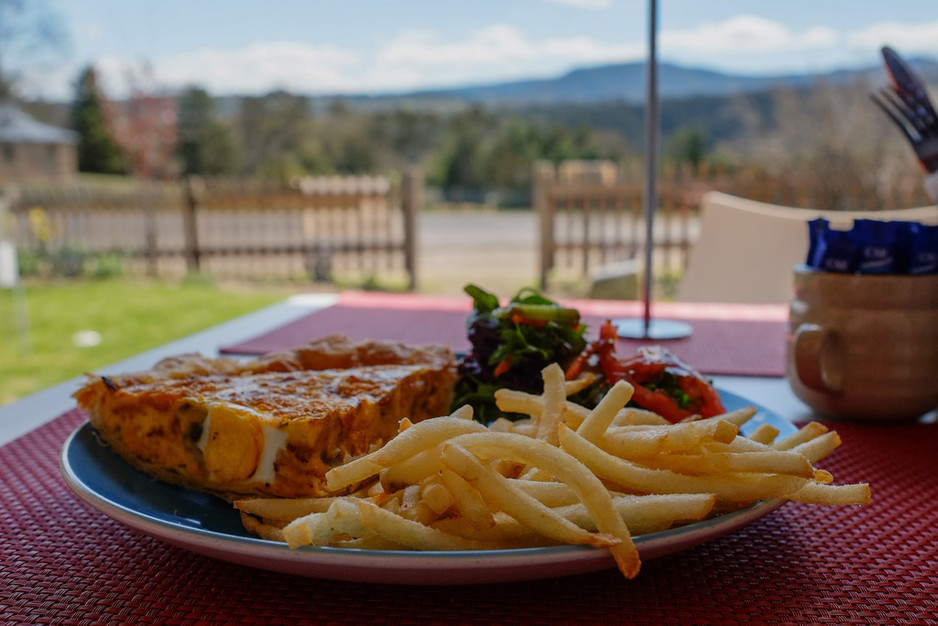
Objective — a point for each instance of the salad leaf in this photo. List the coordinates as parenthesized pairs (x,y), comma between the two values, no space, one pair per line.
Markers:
(511,344)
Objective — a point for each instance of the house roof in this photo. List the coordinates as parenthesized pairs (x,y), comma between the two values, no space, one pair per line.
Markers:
(18,127)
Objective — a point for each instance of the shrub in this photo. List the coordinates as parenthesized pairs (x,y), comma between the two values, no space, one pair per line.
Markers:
(108,265)
(29,262)
(68,262)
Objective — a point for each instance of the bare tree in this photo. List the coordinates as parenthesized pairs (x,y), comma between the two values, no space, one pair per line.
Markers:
(834,148)
(145,127)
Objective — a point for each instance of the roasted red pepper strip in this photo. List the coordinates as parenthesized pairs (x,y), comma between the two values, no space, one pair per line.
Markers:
(518,318)
(641,371)
(503,366)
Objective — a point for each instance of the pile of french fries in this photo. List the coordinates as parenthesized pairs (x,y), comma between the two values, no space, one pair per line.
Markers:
(563,475)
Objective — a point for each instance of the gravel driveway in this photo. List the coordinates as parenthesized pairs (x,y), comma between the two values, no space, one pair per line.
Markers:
(495,249)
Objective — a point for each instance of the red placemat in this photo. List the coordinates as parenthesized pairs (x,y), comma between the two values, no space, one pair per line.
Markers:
(63,562)
(734,340)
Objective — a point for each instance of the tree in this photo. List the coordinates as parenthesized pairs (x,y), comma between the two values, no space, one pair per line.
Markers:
(145,128)
(97,150)
(272,132)
(205,145)
(459,163)
(832,146)
(687,144)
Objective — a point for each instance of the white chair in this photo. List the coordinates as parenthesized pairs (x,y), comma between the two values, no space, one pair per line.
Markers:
(746,250)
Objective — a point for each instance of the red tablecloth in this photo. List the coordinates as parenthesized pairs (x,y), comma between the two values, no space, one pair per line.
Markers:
(713,346)
(63,562)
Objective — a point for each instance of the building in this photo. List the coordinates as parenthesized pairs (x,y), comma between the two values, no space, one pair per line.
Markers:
(31,151)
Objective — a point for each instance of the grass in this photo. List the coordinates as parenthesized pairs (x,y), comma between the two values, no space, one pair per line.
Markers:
(129,315)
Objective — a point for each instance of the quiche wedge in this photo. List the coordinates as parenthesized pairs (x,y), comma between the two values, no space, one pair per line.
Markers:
(271,426)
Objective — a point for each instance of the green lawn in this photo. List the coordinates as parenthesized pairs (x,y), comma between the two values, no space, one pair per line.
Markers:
(130,316)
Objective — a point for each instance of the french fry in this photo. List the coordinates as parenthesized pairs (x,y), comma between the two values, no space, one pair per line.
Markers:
(526,509)
(468,500)
(600,418)
(285,509)
(804,434)
(512,401)
(644,441)
(587,486)
(437,496)
(818,448)
(577,385)
(505,532)
(308,530)
(764,433)
(648,513)
(740,444)
(550,493)
(732,488)
(554,399)
(737,416)
(262,529)
(368,542)
(818,493)
(772,462)
(630,416)
(412,534)
(408,443)
(413,469)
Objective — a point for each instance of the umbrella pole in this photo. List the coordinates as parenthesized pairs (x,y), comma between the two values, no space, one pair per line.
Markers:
(646,327)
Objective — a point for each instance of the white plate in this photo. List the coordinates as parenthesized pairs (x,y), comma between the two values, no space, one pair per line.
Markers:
(207,525)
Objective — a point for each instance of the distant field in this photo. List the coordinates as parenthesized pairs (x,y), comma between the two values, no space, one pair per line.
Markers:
(128,317)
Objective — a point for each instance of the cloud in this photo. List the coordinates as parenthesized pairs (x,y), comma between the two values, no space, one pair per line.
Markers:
(745,34)
(584,4)
(254,69)
(411,59)
(497,52)
(497,47)
(418,59)
(906,38)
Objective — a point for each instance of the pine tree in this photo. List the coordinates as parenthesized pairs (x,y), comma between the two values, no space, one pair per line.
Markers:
(97,150)
(205,144)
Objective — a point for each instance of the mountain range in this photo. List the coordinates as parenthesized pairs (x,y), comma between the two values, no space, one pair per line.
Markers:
(627,82)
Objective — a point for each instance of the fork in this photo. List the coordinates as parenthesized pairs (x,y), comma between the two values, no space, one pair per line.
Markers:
(909,86)
(920,128)
(906,103)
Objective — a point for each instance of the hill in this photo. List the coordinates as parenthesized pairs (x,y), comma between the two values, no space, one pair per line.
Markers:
(626,82)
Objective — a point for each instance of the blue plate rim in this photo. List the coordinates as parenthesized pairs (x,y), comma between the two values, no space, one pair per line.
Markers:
(373,566)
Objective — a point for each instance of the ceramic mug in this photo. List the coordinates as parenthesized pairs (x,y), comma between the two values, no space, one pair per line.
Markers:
(864,347)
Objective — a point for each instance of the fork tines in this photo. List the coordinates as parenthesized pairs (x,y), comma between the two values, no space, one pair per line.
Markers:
(915,122)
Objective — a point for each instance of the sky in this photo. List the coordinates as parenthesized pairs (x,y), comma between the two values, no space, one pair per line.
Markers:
(252,47)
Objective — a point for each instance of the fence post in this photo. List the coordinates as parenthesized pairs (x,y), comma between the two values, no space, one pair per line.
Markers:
(411,201)
(145,193)
(544,209)
(194,190)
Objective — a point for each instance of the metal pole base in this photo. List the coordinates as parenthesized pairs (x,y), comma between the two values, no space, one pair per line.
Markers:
(636,328)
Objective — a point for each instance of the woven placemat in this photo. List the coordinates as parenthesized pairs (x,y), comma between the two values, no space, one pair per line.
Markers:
(63,562)
(733,340)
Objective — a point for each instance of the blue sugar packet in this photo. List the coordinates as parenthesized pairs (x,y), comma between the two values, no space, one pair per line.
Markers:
(876,245)
(831,250)
(918,249)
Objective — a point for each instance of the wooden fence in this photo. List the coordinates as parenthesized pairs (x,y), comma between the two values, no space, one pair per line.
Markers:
(355,230)
(590,218)
(331,228)
(591,212)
